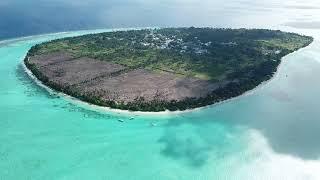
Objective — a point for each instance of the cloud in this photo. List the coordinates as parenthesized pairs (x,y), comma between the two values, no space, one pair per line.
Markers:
(306,7)
(304,24)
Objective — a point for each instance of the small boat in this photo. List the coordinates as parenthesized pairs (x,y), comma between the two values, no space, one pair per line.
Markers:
(120,120)
(153,124)
(132,118)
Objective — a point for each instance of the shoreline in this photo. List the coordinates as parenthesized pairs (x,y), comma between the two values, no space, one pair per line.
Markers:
(96,107)
(167,112)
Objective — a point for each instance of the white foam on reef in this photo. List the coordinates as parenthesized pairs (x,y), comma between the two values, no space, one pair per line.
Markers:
(268,164)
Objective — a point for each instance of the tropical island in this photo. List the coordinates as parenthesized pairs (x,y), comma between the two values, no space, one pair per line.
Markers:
(161,69)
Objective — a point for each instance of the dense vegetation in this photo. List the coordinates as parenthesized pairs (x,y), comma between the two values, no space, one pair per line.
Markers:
(243,58)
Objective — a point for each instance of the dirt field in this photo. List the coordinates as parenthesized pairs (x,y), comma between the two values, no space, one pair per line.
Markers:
(114,82)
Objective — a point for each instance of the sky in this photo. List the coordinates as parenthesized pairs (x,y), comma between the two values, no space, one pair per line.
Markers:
(28,17)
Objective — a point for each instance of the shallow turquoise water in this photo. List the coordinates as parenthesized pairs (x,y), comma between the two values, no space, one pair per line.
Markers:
(271,133)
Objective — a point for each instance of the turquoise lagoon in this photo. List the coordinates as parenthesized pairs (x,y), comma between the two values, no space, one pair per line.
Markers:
(269,133)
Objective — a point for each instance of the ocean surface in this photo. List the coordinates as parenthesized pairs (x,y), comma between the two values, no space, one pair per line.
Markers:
(269,133)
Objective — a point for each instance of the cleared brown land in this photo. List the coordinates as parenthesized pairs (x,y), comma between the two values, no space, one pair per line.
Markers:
(113,82)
